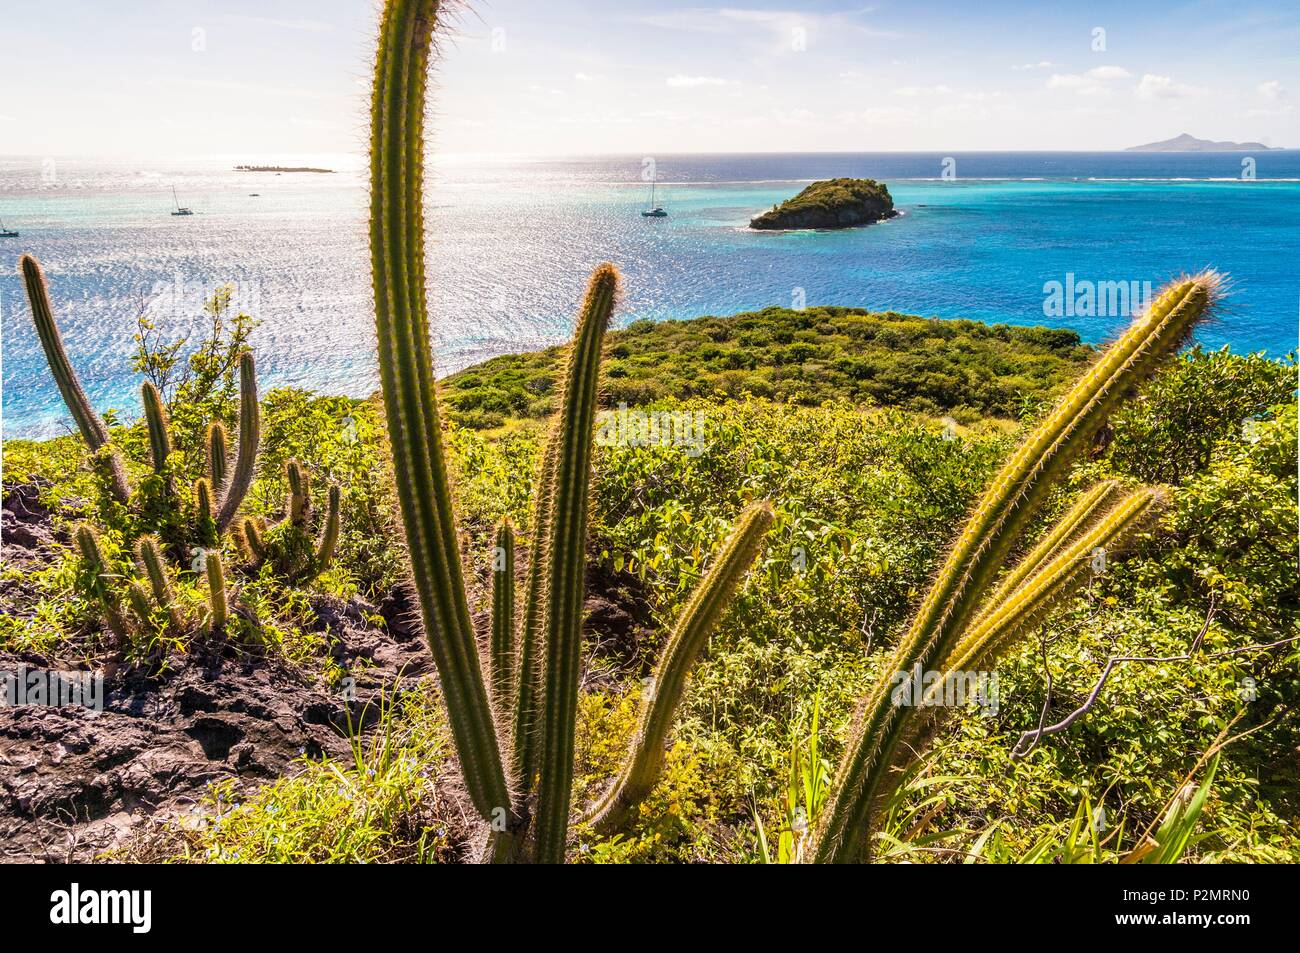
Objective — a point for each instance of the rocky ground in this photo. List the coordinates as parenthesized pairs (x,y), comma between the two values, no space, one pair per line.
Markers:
(76,781)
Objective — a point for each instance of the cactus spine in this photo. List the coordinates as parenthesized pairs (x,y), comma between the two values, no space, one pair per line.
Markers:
(990,533)
(250,434)
(410,402)
(299,504)
(710,600)
(205,527)
(218,453)
(329,534)
(155,415)
(502,647)
(566,560)
(91,425)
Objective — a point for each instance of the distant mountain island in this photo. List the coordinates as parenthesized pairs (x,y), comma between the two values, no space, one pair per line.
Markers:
(1187,143)
(278,168)
(831,203)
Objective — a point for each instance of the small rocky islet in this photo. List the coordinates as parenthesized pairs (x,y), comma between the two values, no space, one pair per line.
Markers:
(831,203)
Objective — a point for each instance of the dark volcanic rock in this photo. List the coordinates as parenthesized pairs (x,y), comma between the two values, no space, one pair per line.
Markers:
(832,203)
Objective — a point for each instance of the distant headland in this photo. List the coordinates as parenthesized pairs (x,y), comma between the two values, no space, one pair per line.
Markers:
(1188,143)
(831,203)
(278,168)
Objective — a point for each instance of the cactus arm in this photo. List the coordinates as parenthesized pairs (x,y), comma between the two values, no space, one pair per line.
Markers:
(502,648)
(1078,518)
(990,533)
(329,534)
(140,604)
(980,647)
(410,402)
(155,415)
(299,503)
(216,589)
(711,599)
(218,453)
(251,536)
(151,562)
(205,527)
(527,687)
(91,425)
(250,435)
(567,558)
(93,556)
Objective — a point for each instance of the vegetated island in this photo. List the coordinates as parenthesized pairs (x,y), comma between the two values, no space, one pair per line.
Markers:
(831,203)
(1189,143)
(279,168)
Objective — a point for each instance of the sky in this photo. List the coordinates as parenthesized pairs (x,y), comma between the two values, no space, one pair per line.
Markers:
(569,77)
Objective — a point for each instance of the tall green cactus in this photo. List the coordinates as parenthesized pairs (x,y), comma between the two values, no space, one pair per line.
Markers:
(216,574)
(998,520)
(527,714)
(298,506)
(218,454)
(566,555)
(410,403)
(91,425)
(149,554)
(206,533)
(250,435)
(100,582)
(329,534)
(710,600)
(155,415)
(502,645)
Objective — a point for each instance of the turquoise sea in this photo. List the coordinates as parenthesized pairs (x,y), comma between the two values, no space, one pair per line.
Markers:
(513,240)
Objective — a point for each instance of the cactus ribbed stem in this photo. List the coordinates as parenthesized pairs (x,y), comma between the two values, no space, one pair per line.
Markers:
(1079,517)
(155,415)
(92,427)
(711,599)
(992,530)
(205,527)
(140,604)
(251,536)
(329,534)
(216,589)
(502,647)
(299,503)
(985,642)
(410,402)
(218,453)
(250,435)
(567,552)
(155,570)
(527,691)
(93,555)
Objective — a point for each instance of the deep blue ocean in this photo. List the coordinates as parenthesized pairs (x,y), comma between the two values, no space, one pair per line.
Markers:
(513,240)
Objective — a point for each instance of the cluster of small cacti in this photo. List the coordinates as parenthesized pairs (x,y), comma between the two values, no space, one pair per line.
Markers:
(515,734)
(188,527)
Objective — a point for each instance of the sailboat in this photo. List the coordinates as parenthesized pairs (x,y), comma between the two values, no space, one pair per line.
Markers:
(654,211)
(180,209)
(7,233)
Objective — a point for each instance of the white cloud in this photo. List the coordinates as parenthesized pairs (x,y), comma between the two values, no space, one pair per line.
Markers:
(1109,72)
(1163,87)
(1272,91)
(1076,83)
(584,77)
(1041,64)
(681,81)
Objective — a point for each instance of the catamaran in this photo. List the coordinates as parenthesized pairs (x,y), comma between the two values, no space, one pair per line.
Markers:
(7,233)
(654,211)
(180,209)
